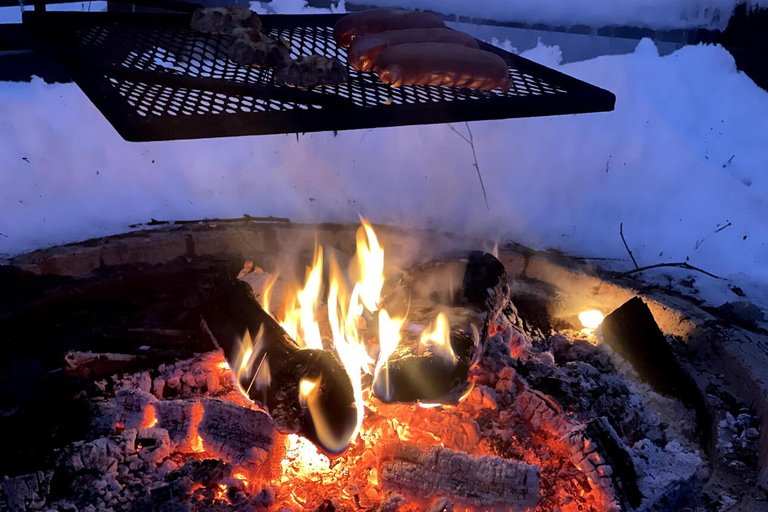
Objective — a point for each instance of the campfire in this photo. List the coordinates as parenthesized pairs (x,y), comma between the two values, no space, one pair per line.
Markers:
(362,386)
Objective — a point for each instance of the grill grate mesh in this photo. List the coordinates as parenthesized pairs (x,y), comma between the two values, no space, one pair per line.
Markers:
(164,45)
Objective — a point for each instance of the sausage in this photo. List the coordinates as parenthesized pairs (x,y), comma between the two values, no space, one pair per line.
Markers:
(442,64)
(364,50)
(379,20)
(224,20)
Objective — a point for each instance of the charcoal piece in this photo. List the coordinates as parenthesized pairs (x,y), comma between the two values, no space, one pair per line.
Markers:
(478,481)
(224,20)
(252,48)
(486,285)
(597,450)
(232,312)
(429,377)
(632,333)
(312,71)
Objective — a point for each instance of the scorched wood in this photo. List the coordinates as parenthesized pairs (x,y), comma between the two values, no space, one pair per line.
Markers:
(233,312)
(479,481)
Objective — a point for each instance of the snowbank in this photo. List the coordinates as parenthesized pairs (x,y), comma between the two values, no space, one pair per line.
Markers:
(655,14)
(683,155)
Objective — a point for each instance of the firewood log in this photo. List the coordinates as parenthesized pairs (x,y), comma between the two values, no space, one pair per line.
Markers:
(235,310)
(477,481)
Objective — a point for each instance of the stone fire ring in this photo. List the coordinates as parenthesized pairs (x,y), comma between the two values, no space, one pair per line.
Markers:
(710,349)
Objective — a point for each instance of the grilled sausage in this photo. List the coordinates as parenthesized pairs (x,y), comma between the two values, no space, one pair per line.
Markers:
(379,20)
(442,64)
(224,20)
(364,50)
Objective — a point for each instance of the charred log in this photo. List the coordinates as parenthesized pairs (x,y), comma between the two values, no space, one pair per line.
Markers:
(485,286)
(233,312)
(429,377)
(597,450)
(236,434)
(477,481)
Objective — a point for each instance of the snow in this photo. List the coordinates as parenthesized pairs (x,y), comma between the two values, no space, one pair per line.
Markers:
(656,14)
(682,156)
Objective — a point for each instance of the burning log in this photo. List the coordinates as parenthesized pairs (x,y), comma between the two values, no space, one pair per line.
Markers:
(282,368)
(597,451)
(433,377)
(485,481)
(236,434)
(133,408)
(180,418)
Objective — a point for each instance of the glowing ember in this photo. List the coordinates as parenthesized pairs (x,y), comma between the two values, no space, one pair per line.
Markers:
(591,319)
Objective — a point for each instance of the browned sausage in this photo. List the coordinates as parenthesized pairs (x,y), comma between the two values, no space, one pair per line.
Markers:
(364,50)
(442,64)
(378,20)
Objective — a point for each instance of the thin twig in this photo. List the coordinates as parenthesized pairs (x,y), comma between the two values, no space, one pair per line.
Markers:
(471,142)
(621,232)
(722,228)
(683,264)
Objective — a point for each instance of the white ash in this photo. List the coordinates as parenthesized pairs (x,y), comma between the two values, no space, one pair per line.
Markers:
(663,471)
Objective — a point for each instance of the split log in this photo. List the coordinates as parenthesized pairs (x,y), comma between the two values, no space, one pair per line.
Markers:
(597,451)
(632,332)
(430,377)
(233,312)
(180,418)
(133,408)
(478,481)
(236,434)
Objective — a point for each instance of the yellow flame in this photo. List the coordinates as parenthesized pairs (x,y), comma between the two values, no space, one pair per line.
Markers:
(309,298)
(266,291)
(346,341)
(438,335)
(370,258)
(389,339)
(591,319)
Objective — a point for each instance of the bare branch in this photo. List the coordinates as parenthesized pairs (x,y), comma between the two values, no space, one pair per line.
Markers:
(723,227)
(683,265)
(621,232)
(471,142)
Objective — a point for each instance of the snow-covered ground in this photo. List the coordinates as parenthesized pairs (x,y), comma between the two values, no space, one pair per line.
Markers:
(656,14)
(683,155)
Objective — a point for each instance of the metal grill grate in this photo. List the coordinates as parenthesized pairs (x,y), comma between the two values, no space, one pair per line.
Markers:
(155,79)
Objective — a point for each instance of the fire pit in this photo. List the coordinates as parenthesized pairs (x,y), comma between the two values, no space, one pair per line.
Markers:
(273,366)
